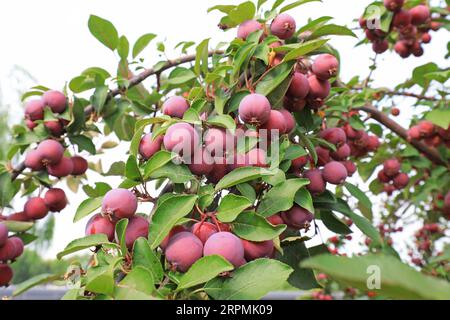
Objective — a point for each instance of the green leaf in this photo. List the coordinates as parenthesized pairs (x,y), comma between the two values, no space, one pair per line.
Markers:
(167,214)
(251,226)
(121,228)
(242,57)
(304,199)
(358,194)
(18,226)
(397,280)
(247,191)
(224,121)
(281,197)
(33,282)
(274,78)
(203,270)
(138,279)
(314,23)
(439,117)
(177,173)
(331,29)
(333,223)
(83,143)
(158,160)
(124,127)
(144,256)
(6,189)
(123,48)
(83,243)
(86,207)
(294,252)
(241,175)
(418,75)
(141,43)
(296,4)
(252,281)
(294,151)
(104,31)
(132,171)
(180,76)
(231,206)
(201,58)
(302,49)
(99,98)
(100,280)
(243,12)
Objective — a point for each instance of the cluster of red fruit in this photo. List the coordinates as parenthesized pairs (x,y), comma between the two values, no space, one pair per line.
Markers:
(432,135)
(203,238)
(360,142)
(10,249)
(412,26)
(34,112)
(424,242)
(391,176)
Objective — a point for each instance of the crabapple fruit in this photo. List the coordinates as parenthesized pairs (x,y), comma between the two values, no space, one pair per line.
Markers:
(254,250)
(420,14)
(55,199)
(202,163)
(334,136)
(283,26)
(401,180)
(33,160)
(80,165)
(34,110)
(341,153)
(121,203)
(254,109)
(402,19)
(55,127)
(6,275)
(226,245)
(18,246)
(299,163)
(172,232)
(175,107)
(18,216)
(181,138)
(56,100)
(289,120)
(318,89)
(393,5)
(382,177)
(148,147)
(217,141)
(3,234)
(350,166)
(316,184)
(297,217)
(35,208)
(248,27)
(63,168)
(276,124)
(137,227)
(51,151)
(334,172)
(100,224)
(325,66)
(299,87)
(275,219)
(183,250)
(203,230)
(323,156)
(391,167)
(380,46)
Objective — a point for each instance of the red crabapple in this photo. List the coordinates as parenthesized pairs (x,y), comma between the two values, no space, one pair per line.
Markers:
(297,217)
(276,124)
(34,110)
(275,219)
(175,107)
(391,167)
(55,127)
(18,216)
(382,177)
(350,166)
(254,109)
(148,147)
(56,100)
(61,169)
(380,46)
(217,141)
(254,250)
(393,5)
(401,180)
(137,227)
(172,232)
(318,89)
(334,136)
(316,184)
(183,250)
(334,172)
(341,153)
(283,26)
(325,66)
(202,163)
(248,27)
(299,163)
(3,234)
(426,38)
(18,246)
(182,138)
(289,120)
(33,160)
(402,19)
(6,275)
(203,230)
(51,151)
(299,87)
(420,14)
(35,208)
(80,165)
(323,156)
(55,199)
(121,203)
(99,224)
(226,245)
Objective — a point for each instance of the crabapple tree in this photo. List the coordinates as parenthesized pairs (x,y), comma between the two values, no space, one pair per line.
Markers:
(238,156)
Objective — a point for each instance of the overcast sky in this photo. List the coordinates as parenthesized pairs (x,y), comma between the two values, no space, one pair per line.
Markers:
(50,40)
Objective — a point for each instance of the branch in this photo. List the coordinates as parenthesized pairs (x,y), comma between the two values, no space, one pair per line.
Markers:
(133,82)
(409,94)
(431,153)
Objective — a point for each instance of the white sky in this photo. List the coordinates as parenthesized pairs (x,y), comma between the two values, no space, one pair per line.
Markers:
(50,40)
